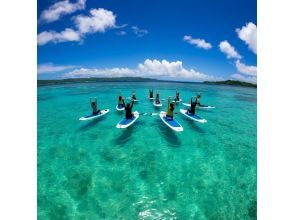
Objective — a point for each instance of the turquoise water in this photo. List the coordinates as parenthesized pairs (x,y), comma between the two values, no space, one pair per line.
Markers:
(92,170)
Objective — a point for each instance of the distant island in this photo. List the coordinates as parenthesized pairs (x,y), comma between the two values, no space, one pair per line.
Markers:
(48,82)
(231,83)
(93,80)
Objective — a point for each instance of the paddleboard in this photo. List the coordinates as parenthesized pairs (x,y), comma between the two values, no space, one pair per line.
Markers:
(193,117)
(120,108)
(197,106)
(173,124)
(157,105)
(124,123)
(90,117)
(177,101)
(151,98)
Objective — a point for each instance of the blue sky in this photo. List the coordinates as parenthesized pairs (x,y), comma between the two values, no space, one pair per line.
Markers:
(188,40)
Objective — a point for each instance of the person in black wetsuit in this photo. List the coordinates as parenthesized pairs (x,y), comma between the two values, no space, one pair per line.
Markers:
(150,93)
(94,106)
(134,95)
(128,109)
(157,100)
(177,96)
(120,101)
(192,109)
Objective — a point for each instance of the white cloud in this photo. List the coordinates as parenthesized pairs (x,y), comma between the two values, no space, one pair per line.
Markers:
(248,34)
(51,68)
(57,37)
(121,33)
(150,68)
(247,70)
(201,43)
(99,20)
(229,50)
(55,11)
(139,32)
(250,79)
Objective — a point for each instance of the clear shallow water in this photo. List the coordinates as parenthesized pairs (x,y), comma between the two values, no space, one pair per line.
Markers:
(92,170)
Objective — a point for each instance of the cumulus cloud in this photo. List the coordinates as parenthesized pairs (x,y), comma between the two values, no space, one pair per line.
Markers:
(201,43)
(248,34)
(98,21)
(247,70)
(58,9)
(150,68)
(51,68)
(56,37)
(250,79)
(229,50)
(139,32)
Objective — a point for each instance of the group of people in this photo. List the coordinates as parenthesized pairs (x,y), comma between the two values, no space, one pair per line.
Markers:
(129,106)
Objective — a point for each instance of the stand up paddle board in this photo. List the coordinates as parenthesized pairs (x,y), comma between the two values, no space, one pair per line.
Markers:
(193,117)
(151,98)
(124,123)
(120,108)
(90,117)
(197,106)
(157,104)
(173,124)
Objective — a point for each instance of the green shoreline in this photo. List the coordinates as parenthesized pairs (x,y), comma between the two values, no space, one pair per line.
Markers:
(135,79)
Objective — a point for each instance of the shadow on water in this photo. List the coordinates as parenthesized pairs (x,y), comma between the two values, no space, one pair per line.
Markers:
(195,126)
(126,134)
(88,125)
(169,135)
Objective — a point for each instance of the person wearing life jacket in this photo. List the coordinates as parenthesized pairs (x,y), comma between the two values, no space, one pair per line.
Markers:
(157,100)
(150,93)
(120,101)
(134,95)
(170,109)
(192,109)
(128,109)
(93,102)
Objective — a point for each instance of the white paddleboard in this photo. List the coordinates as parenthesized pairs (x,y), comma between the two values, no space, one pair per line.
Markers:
(120,108)
(193,117)
(90,117)
(151,98)
(173,124)
(157,105)
(197,106)
(124,123)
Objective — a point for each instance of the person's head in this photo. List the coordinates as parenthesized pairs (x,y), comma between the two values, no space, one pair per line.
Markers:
(198,96)
(93,103)
(128,105)
(172,105)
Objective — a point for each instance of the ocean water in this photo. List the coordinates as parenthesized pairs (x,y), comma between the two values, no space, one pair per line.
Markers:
(92,170)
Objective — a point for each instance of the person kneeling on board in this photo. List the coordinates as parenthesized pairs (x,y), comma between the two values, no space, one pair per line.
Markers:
(134,95)
(177,96)
(128,109)
(94,106)
(157,100)
(120,101)
(170,109)
(150,93)
(192,109)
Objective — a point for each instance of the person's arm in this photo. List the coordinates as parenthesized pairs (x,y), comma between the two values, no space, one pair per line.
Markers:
(191,100)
